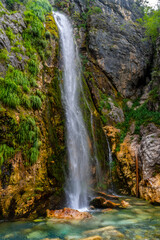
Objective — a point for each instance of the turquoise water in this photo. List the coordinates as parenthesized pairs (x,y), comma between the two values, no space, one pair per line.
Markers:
(140,221)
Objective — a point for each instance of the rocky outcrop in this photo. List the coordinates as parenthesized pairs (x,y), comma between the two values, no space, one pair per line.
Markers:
(11,28)
(147,149)
(115,41)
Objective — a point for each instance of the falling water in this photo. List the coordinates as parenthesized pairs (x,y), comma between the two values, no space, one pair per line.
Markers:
(77,144)
(111,188)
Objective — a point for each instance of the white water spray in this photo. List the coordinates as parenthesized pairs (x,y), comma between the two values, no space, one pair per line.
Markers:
(77,144)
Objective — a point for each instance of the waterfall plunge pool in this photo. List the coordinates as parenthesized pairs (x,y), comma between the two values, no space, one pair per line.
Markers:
(140,221)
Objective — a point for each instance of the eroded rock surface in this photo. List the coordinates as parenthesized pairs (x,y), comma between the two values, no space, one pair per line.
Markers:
(68,213)
(115,41)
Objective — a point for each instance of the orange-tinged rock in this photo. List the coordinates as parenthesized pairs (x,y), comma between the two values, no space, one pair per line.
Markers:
(68,213)
(110,204)
(150,189)
(124,204)
(113,134)
(101,202)
(92,238)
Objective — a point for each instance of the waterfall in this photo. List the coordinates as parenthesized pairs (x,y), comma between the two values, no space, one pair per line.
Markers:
(111,188)
(76,134)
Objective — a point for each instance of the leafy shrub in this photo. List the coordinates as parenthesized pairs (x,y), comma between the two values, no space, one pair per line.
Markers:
(33,67)
(9,93)
(29,135)
(36,102)
(25,101)
(140,115)
(5,153)
(10,34)
(33,155)
(3,55)
(151,21)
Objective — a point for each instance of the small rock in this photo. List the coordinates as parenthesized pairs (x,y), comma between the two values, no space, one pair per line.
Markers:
(51,239)
(97,202)
(124,204)
(99,230)
(107,210)
(92,238)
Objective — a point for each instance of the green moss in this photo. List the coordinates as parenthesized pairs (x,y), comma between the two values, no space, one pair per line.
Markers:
(29,136)
(5,153)
(33,67)
(140,115)
(51,26)
(36,102)
(10,34)
(4,55)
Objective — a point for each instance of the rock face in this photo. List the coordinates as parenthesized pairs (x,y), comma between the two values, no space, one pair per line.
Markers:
(115,43)
(149,150)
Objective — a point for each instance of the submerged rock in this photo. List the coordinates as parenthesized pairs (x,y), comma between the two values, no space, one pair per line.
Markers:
(105,232)
(124,204)
(68,213)
(92,238)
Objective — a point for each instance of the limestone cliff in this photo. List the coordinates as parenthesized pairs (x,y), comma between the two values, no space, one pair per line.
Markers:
(121,69)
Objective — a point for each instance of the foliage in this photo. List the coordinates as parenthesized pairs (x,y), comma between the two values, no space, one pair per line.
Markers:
(29,134)
(9,93)
(36,102)
(10,34)
(151,22)
(5,153)
(33,67)
(4,55)
(140,115)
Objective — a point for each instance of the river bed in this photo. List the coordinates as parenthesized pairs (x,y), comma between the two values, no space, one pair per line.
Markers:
(140,221)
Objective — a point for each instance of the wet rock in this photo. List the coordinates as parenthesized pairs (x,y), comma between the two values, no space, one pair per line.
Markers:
(101,202)
(107,196)
(124,204)
(107,210)
(51,239)
(97,202)
(72,237)
(110,204)
(68,213)
(105,232)
(92,238)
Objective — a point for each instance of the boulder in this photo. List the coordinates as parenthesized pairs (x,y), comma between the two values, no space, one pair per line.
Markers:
(105,232)
(97,202)
(101,202)
(68,213)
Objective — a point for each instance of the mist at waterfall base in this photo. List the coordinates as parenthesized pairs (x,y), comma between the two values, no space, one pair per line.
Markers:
(76,139)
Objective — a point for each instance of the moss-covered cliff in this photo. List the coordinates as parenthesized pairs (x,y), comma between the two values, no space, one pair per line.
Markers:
(32,151)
